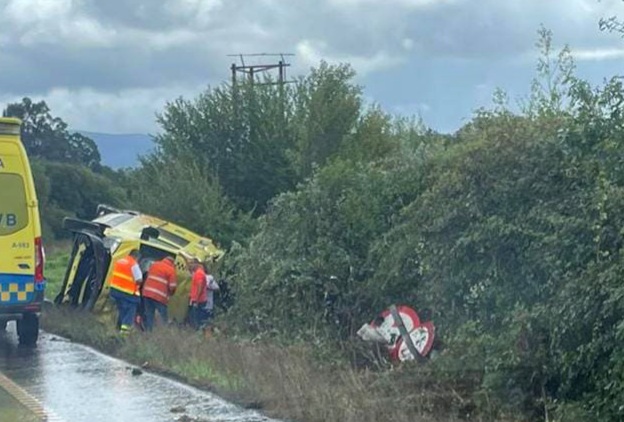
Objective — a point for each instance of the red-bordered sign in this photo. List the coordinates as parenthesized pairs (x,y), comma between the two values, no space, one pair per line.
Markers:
(422,334)
(422,338)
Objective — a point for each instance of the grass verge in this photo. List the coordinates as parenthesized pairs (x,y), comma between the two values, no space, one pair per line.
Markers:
(303,383)
(285,382)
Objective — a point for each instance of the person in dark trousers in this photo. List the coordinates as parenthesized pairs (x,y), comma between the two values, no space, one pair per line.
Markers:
(160,284)
(198,294)
(124,289)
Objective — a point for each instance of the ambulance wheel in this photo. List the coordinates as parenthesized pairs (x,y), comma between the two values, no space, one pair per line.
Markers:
(28,330)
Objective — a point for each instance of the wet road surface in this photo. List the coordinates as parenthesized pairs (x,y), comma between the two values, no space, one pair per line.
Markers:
(76,384)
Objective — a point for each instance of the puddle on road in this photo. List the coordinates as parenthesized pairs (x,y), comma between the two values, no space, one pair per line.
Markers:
(79,384)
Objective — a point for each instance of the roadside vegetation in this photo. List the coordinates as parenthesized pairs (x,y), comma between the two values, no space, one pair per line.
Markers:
(509,232)
(283,380)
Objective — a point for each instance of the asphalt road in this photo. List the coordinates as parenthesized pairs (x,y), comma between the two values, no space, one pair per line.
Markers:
(75,383)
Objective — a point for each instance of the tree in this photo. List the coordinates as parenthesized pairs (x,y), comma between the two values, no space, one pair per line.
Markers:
(182,192)
(65,189)
(611,24)
(47,137)
(236,136)
(260,139)
(327,105)
(555,77)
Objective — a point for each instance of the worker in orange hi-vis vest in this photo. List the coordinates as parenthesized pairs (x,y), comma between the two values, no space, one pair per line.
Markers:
(160,284)
(124,289)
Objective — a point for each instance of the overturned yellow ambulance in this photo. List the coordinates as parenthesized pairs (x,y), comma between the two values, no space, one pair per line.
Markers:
(97,244)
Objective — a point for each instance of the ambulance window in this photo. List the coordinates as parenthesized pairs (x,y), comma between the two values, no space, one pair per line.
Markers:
(117,220)
(173,238)
(13,204)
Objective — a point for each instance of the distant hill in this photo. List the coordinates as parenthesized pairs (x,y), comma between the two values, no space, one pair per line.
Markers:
(122,150)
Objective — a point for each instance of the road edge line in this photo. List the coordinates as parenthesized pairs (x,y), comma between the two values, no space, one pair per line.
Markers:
(26,399)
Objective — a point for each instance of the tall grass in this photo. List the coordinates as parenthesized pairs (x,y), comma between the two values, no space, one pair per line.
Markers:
(303,382)
(285,381)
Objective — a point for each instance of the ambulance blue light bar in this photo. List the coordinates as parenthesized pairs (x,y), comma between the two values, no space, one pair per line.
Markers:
(10,126)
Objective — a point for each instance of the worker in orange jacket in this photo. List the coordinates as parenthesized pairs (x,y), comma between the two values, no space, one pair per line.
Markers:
(160,284)
(124,289)
(198,295)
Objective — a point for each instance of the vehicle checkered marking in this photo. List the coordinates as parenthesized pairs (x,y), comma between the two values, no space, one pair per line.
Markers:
(16,292)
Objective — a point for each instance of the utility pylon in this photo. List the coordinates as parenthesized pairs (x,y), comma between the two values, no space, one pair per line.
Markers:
(252,70)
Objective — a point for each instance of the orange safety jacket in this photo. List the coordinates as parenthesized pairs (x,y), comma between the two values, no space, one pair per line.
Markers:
(161,281)
(199,287)
(122,278)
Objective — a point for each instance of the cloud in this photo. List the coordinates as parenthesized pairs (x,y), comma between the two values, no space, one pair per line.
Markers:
(125,111)
(598,54)
(90,51)
(391,3)
(29,12)
(310,53)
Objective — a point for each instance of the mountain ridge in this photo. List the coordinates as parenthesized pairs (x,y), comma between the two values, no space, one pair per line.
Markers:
(121,150)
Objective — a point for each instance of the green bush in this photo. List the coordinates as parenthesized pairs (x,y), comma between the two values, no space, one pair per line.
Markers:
(511,234)
(184,193)
(71,190)
(323,229)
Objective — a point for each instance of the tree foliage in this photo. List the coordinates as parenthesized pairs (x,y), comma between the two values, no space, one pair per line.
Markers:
(47,137)
(189,196)
(509,232)
(69,178)
(259,140)
(65,189)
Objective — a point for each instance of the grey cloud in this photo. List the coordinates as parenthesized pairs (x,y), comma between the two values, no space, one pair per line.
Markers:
(148,15)
(104,47)
(503,29)
(124,67)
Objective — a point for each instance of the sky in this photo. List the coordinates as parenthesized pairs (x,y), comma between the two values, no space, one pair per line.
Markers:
(111,65)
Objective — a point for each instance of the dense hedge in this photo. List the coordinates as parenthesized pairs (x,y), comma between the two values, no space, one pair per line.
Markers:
(510,233)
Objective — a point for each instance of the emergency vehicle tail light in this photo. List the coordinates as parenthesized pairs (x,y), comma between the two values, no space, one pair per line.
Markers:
(39,260)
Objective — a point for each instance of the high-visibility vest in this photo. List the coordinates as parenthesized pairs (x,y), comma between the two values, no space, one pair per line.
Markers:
(161,281)
(122,278)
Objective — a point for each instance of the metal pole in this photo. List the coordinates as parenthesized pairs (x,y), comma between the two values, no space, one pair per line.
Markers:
(405,335)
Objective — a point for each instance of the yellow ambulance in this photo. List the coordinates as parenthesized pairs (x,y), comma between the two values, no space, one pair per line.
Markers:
(22,283)
(111,236)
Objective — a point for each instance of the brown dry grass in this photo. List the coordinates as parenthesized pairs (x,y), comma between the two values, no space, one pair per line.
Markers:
(285,382)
